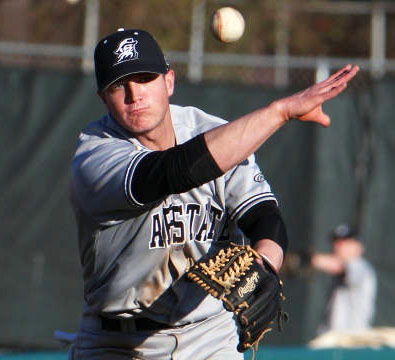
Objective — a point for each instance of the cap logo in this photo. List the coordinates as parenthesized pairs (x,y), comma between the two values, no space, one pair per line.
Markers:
(126,51)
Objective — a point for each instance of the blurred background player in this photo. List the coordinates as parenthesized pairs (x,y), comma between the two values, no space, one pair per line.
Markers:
(351,303)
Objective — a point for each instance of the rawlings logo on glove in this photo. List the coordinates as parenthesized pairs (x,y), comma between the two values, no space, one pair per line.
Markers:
(250,286)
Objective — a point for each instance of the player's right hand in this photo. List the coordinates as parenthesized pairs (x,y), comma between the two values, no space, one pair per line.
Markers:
(306,105)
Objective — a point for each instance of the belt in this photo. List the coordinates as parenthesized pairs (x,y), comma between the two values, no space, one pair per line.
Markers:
(140,324)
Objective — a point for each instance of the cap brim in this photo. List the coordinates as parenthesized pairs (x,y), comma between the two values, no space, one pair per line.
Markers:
(137,70)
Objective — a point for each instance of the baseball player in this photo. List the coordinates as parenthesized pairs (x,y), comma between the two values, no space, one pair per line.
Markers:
(351,302)
(154,185)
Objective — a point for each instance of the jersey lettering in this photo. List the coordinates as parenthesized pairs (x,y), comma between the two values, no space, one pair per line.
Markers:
(167,223)
(216,215)
(192,210)
(174,228)
(212,216)
(178,226)
(169,226)
(203,227)
(156,233)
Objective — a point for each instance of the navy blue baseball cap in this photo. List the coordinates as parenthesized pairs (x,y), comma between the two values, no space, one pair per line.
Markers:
(342,231)
(127,52)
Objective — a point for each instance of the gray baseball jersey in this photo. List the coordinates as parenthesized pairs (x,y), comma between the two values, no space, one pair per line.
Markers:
(351,305)
(134,255)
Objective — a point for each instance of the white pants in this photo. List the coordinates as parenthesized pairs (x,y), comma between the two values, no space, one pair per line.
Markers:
(215,338)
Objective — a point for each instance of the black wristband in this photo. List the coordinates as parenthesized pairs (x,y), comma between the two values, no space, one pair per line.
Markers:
(264,221)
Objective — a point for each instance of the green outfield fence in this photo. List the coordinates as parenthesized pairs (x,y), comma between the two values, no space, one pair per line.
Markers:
(286,353)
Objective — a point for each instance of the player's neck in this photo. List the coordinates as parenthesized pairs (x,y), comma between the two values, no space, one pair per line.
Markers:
(160,138)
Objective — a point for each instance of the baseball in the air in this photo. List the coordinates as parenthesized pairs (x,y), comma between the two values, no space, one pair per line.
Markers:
(227,24)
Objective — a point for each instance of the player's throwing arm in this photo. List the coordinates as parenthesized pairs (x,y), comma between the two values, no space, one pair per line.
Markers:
(245,135)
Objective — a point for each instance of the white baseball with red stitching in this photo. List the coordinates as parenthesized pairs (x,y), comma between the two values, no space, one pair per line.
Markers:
(227,24)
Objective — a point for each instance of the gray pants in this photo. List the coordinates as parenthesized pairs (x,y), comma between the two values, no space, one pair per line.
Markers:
(214,338)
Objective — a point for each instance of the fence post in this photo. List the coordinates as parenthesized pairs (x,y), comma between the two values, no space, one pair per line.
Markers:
(282,38)
(196,47)
(92,8)
(377,40)
(322,71)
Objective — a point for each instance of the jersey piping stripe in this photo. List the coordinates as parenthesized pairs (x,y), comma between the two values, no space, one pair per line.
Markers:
(129,176)
(245,205)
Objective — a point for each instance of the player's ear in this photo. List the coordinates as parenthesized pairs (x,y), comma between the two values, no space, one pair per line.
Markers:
(169,80)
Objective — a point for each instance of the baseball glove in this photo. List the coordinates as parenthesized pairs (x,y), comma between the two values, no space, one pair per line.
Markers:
(251,291)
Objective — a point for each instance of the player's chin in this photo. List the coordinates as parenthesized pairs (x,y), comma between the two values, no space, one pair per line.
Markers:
(140,126)
(135,115)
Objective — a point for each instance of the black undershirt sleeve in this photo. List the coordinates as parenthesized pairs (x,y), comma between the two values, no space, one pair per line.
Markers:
(174,171)
(264,221)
